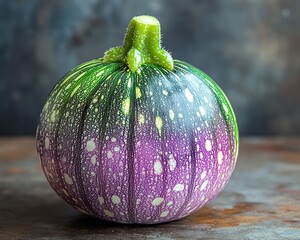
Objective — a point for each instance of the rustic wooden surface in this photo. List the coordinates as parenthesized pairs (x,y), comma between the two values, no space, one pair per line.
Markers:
(262,200)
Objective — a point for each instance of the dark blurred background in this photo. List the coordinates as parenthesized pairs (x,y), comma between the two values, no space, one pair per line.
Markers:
(250,48)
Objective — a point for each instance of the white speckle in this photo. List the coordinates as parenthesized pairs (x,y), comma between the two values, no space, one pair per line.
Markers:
(220,157)
(141,119)
(93,159)
(109,154)
(178,187)
(171,114)
(157,168)
(180,115)
(172,162)
(205,99)
(99,73)
(90,145)
(157,201)
(115,199)
(81,210)
(225,107)
(164,214)
(189,96)
(101,200)
(117,149)
(47,143)
(158,122)
(201,155)
(202,111)
(208,145)
(64,159)
(108,213)
(48,174)
(164,92)
(203,174)
(65,192)
(203,186)
(113,139)
(170,203)
(68,179)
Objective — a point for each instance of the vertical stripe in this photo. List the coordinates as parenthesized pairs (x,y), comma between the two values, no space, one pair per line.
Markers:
(130,152)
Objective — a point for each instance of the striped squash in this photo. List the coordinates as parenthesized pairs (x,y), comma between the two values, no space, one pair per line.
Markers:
(135,136)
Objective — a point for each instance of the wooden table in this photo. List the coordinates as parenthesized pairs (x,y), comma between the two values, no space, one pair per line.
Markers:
(262,200)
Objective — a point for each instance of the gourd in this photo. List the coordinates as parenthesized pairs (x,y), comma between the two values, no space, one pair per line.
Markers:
(135,136)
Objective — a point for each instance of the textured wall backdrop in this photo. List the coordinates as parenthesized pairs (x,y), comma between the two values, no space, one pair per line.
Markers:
(250,48)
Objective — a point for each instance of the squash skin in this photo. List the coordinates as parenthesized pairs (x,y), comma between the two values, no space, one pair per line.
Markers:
(143,147)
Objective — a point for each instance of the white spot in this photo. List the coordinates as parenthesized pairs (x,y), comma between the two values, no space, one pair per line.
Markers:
(189,96)
(157,168)
(138,93)
(225,107)
(68,179)
(164,214)
(99,73)
(90,145)
(203,174)
(220,157)
(117,149)
(115,199)
(158,122)
(202,111)
(141,119)
(170,203)
(47,143)
(203,186)
(81,210)
(178,187)
(113,139)
(108,213)
(93,159)
(201,155)
(101,200)
(172,162)
(157,201)
(205,99)
(164,92)
(180,115)
(208,145)
(171,114)
(64,159)
(109,154)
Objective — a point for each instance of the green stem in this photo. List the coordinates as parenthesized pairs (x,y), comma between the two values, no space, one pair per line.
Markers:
(141,45)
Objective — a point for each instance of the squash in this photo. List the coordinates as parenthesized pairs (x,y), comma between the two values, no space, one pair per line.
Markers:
(135,136)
